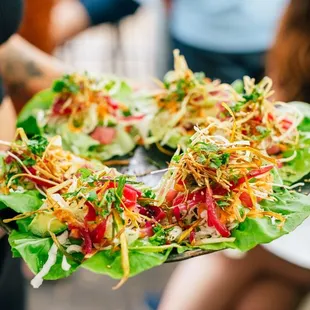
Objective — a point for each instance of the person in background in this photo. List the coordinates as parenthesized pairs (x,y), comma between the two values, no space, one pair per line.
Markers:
(48,24)
(70,17)
(224,39)
(275,276)
(288,62)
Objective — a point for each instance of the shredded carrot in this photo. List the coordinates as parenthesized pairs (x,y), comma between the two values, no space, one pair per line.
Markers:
(232,137)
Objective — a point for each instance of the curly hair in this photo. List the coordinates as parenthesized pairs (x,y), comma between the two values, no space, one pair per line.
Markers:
(288,62)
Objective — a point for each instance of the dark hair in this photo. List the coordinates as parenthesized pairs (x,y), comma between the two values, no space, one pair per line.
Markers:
(10,18)
(289,59)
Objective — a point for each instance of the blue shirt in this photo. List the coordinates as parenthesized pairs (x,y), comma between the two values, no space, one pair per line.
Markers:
(230,26)
(103,11)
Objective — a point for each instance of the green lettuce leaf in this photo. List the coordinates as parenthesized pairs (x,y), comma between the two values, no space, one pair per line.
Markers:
(84,145)
(109,263)
(297,168)
(34,251)
(123,92)
(304,126)
(27,118)
(143,255)
(254,231)
(238,86)
(21,202)
(78,143)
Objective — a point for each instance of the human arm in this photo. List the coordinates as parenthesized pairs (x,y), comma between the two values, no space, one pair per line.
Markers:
(25,70)
(70,17)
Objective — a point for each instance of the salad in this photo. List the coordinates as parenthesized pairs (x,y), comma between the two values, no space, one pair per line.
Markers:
(72,214)
(271,126)
(218,187)
(185,99)
(96,117)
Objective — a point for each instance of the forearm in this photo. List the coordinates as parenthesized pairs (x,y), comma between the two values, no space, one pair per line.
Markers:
(70,17)
(7,121)
(26,70)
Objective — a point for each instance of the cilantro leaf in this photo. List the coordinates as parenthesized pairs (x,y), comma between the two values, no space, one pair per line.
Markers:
(159,237)
(66,84)
(222,203)
(37,145)
(207,147)
(217,161)
(92,196)
(238,106)
(264,132)
(176,158)
(85,173)
(253,96)
(148,193)
(29,162)
(181,84)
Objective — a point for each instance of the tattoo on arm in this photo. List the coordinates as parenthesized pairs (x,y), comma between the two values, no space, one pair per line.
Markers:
(26,70)
(32,69)
(17,76)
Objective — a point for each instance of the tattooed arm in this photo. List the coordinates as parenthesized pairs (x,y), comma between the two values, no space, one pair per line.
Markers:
(26,70)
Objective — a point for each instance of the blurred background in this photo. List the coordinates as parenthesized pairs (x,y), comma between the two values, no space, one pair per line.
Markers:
(224,38)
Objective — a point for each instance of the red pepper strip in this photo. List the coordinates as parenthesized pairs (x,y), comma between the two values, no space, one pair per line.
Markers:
(177,213)
(219,190)
(184,207)
(171,195)
(212,217)
(87,245)
(9,159)
(252,174)
(198,196)
(179,199)
(91,214)
(38,182)
(57,108)
(129,187)
(270,117)
(130,195)
(192,199)
(143,211)
(129,204)
(132,117)
(286,124)
(156,213)
(246,200)
(257,118)
(148,229)
(98,233)
(274,150)
(192,237)
(113,104)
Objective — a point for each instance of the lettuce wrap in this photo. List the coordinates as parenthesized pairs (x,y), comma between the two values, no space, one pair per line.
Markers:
(70,214)
(96,117)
